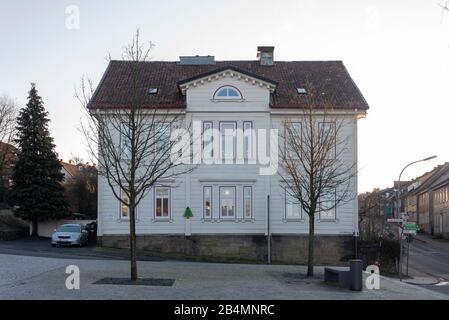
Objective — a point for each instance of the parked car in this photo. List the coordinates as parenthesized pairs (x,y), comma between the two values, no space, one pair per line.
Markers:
(70,234)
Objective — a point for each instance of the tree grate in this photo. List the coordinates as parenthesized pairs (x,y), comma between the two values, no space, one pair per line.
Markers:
(138,282)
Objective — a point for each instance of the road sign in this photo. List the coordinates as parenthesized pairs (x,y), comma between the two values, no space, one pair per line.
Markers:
(410,226)
(395,220)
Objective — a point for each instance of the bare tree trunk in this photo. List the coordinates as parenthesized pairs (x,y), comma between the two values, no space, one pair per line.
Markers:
(132,240)
(311,245)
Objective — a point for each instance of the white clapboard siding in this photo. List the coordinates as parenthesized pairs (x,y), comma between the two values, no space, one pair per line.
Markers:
(187,190)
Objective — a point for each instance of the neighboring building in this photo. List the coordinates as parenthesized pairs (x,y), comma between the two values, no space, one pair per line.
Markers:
(424,198)
(376,207)
(231,203)
(411,197)
(439,196)
(69,169)
(8,157)
(81,184)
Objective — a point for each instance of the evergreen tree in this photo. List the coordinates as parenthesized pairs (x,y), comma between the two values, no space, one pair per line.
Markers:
(37,175)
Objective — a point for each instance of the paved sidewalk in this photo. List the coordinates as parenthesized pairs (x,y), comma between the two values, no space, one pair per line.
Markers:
(44,278)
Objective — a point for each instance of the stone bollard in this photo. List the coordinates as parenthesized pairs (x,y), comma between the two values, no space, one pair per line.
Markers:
(356,269)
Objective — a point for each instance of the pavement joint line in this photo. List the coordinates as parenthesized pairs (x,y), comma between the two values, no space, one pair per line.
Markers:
(25,280)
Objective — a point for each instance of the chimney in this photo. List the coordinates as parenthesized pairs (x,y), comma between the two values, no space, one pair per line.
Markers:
(265,55)
(196,60)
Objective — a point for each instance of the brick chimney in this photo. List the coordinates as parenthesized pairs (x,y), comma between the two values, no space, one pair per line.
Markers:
(265,55)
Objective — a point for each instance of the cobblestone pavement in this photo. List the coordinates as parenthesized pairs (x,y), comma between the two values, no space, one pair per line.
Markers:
(27,277)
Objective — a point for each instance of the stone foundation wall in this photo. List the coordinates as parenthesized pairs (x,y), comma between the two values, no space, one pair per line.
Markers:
(290,249)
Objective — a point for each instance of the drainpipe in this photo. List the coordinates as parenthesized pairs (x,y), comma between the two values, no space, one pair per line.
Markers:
(268,231)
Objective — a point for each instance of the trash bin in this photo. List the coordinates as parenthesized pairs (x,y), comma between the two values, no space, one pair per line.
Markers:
(356,269)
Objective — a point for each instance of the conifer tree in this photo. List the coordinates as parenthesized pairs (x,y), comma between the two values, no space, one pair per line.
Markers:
(37,175)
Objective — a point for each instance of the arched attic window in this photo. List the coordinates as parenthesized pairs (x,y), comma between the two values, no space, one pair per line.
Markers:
(226,93)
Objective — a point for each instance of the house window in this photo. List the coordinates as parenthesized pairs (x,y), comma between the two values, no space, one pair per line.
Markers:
(207,202)
(162,137)
(248,139)
(247,202)
(227,202)
(125,142)
(228,138)
(124,205)
(208,139)
(162,203)
(292,207)
(228,93)
(327,134)
(326,205)
(293,139)
(446,194)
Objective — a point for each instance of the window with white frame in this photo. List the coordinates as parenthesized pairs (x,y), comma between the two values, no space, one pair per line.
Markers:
(293,138)
(124,205)
(326,205)
(227,202)
(162,203)
(125,142)
(247,202)
(327,132)
(248,139)
(162,137)
(292,207)
(207,202)
(208,140)
(227,93)
(228,140)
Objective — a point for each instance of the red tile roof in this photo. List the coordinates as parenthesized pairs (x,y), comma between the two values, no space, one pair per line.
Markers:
(331,77)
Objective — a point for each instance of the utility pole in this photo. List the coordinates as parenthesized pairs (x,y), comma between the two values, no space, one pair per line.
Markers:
(398,208)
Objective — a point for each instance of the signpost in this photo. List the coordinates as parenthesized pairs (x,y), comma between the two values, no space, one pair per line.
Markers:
(406,231)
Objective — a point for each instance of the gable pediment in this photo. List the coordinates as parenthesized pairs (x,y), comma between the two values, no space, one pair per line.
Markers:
(227,72)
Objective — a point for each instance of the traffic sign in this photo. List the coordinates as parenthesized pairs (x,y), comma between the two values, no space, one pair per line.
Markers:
(411,226)
(395,220)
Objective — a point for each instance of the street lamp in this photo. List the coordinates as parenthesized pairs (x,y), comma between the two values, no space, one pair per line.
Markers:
(398,207)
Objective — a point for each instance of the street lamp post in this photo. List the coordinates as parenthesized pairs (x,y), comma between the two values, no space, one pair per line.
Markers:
(398,208)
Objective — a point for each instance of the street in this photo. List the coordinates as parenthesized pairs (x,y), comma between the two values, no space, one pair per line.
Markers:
(32,269)
(429,263)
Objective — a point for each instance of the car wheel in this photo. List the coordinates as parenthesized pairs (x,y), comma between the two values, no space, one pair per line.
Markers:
(53,245)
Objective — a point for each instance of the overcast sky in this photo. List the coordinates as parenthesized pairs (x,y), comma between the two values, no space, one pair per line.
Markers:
(396,51)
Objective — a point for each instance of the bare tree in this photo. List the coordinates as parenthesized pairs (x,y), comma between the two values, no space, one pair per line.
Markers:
(314,172)
(81,189)
(8,114)
(371,219)
(135,147)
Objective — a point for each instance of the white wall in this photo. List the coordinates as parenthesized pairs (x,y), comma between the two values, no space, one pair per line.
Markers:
(187,189)
(46,228)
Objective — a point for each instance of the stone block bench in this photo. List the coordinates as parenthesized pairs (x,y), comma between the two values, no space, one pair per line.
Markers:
(346,277)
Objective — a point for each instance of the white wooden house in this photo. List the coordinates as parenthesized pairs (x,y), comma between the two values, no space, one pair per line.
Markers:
(234,206)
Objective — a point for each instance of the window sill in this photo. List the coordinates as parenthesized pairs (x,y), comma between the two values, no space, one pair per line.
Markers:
(252,220)
(126,220)
(328,220)
(154,220)
(293,220)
